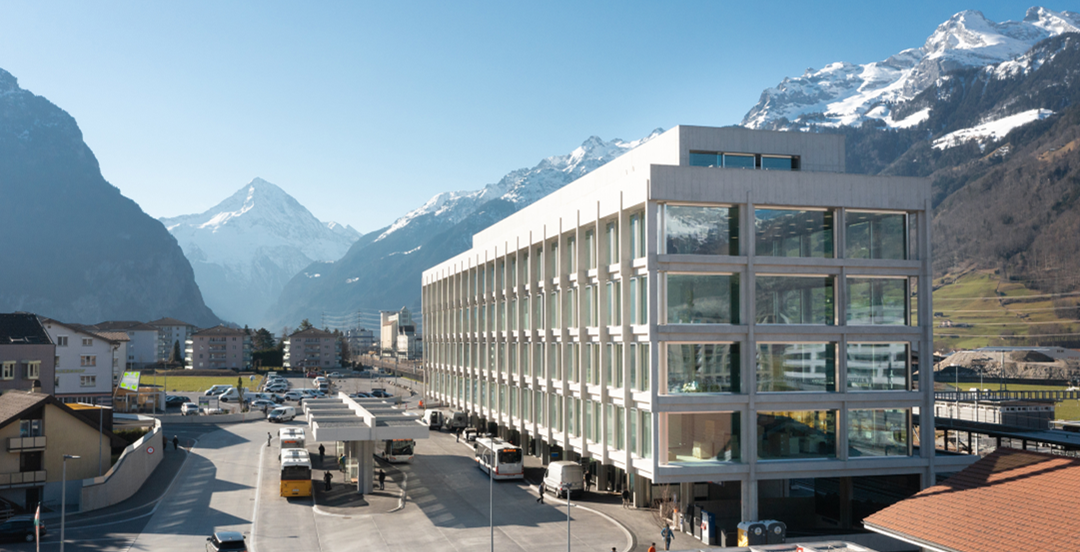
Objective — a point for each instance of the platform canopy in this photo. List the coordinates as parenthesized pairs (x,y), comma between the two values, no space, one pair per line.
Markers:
(343,418)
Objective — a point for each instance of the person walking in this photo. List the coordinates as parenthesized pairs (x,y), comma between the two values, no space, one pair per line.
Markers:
(626,498)
(540,489)
(667,534)
(269,437)
(327,477)
(175,442)
(322,454)
(382,480)
(588,481)
(652,547)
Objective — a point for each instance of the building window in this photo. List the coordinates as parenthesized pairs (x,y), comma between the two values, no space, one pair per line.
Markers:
(702,299)
(590,250)
(875,235)
(637,235)
(7,370)
(614,303)
(639,366)
(87,342)
(884,432)
(571,255)
(796,435)
(702,368)
(877,366)
(87,381)
(612,243)
(877,301)
(639,300)
(590,306)
(796,367)
(744,161)
(793,233)
(31,428)
(61,341)
(705,437)
(794,300)
(87,360)
(695,230)
(33,370)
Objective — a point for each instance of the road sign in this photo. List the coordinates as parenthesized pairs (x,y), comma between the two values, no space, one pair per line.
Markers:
(130,381)
(149,450)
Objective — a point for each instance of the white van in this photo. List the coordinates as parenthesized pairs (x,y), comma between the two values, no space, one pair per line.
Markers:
(216,390)
(230,394)
(282,414)
(324,387)
(564,472)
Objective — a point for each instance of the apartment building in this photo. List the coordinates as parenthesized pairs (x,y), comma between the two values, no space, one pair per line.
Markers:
(88,364)
(170,332)
(143,339)
(718,318)
(27,355)
(219,347)
(311,348)
(398,334)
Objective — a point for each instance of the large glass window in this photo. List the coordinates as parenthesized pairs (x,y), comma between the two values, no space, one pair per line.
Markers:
(794,300)
(703,299)
(793,233)
(706,159)
(877,366)
(796,367)
(703,368)
(796,435)
(876,235)
(703,437)
(637,235)
(879,432)
(612,231)
(739,161)
(614,303)
(695,230)
(877,301)
(778,163)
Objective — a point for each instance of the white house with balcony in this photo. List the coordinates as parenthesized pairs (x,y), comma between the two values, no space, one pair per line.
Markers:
(87,363)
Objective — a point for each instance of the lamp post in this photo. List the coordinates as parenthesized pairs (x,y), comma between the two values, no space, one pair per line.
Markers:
(63,496)
(491,498)
(566,489)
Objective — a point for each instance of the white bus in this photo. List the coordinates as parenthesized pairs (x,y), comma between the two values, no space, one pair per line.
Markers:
(291,438)
(501,459)
(396,451)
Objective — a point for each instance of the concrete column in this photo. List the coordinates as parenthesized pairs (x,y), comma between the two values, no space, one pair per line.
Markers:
(601,477)
(749,502)
(366,458)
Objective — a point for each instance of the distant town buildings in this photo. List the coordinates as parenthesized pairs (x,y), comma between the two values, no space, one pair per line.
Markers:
(27,354)
(219,347)
(311,348)
(398,334)
(143,341)
(360,340)
(170,332)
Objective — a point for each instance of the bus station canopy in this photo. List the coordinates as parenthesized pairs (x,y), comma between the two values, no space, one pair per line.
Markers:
(343,418)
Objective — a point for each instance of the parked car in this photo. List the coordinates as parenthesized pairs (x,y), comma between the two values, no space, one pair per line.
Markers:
(277,388)
(189,409)
(19,528)
(282,414)
(231,541)
(361,395)
(380,393)
(230,394)
(216,390)
(308,393)
(335,374)
(294,396)
(175,400)
(258,404)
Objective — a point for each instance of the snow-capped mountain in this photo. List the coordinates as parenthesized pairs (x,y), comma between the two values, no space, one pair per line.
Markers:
(383,270)
(247,247)
(845,94)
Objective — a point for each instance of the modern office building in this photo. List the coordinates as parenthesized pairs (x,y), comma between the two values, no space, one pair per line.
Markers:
(720,317)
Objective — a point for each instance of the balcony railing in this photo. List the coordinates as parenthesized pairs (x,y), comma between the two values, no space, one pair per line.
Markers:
(21,478)
(26,444)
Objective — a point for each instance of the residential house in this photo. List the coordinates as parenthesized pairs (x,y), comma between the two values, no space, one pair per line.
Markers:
(219,347)
(170,332)
(88,364)
(27,354)
(143,338)
(312,348)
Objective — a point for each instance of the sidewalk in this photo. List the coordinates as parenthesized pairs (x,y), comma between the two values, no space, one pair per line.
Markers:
(343,500)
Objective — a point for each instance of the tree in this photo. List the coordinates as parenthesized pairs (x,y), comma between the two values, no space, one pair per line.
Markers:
(263,340)
(305,325)
(175,356)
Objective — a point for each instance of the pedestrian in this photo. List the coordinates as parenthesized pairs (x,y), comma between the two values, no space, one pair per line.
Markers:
(588,481)
(667,534)
(327,477)
(540,489)
(652,547)
(626,498)
(382,480)
(457,436)
(175,442)
(322,454)
(613,549)
(269,438)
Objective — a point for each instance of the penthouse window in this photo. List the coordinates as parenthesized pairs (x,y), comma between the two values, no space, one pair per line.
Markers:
(699,230)
(768,162)
(876,235)
(793,233)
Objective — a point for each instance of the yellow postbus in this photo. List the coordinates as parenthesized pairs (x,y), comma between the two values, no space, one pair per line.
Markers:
(295,473)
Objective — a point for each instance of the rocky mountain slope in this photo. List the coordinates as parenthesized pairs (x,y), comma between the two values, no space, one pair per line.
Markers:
(74,248)
(246,248)
(382,270)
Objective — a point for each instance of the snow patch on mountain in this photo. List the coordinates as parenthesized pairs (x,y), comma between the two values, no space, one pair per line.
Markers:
(845,94)
(521,187)
(990,131)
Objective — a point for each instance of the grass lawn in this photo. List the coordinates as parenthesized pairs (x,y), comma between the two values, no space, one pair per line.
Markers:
(197,383)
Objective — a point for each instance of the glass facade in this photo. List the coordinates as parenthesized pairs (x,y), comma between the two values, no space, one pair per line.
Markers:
(796,435)
(694,230)
(704,437)
(702,368)
(793,233)
(879,432)
(703,299)
(796,367)
(877,301)
(877,366)
(794,300)
(876,235)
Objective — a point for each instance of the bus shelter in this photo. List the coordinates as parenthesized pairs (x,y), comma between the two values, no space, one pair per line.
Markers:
(358,424)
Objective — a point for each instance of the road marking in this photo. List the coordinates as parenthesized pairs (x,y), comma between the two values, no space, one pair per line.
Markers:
(258,488)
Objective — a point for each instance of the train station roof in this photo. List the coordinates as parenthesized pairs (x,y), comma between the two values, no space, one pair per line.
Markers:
(343,418)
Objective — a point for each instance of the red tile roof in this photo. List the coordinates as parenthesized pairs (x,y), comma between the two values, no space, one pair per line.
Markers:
(1010,500)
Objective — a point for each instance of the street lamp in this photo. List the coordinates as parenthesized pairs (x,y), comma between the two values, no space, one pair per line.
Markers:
(63,496)
(566,489)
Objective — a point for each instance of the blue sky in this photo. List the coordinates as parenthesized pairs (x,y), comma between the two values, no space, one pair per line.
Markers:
(362,111)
